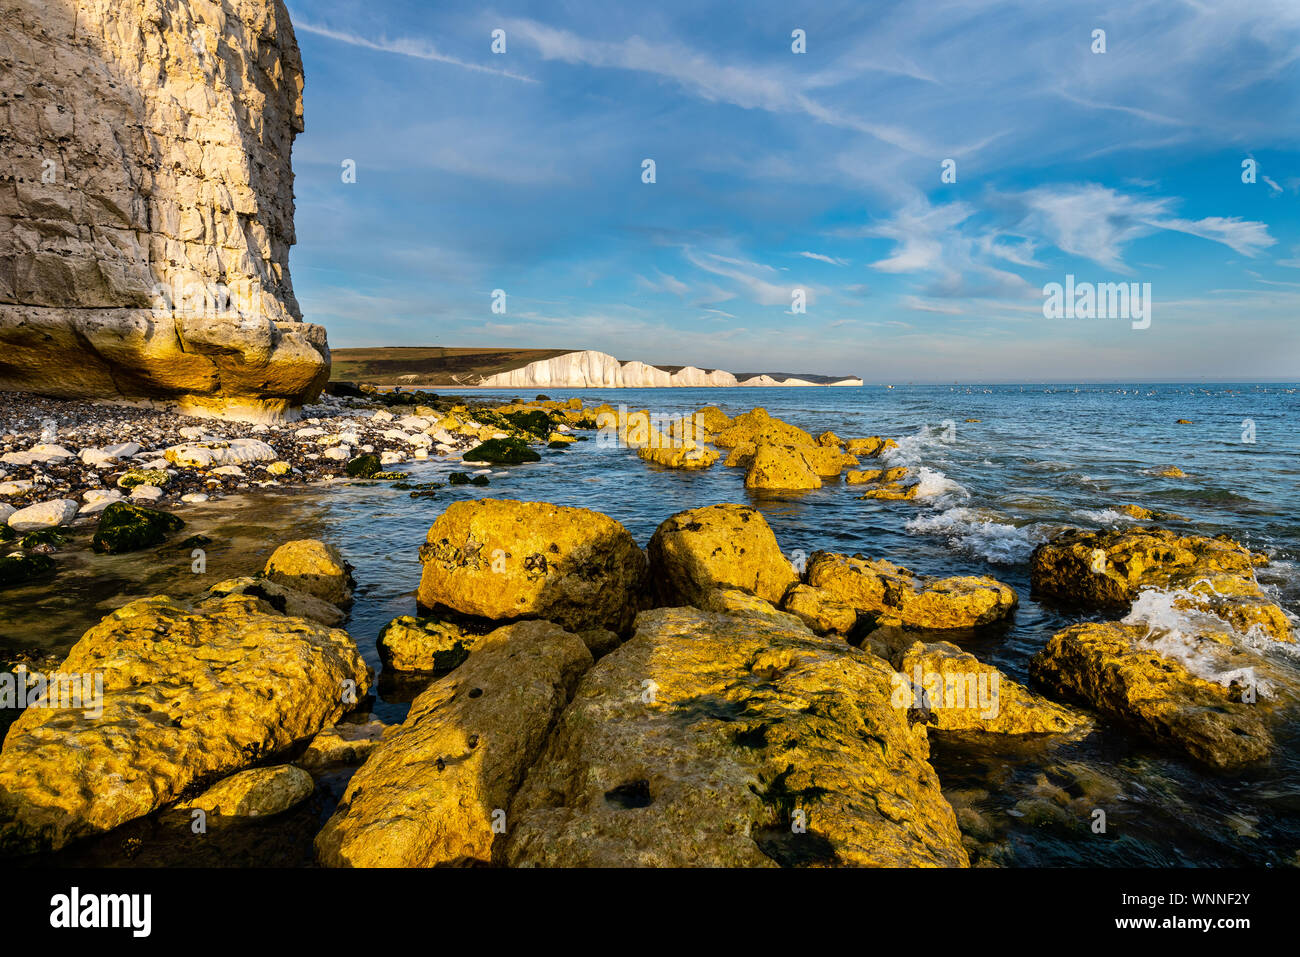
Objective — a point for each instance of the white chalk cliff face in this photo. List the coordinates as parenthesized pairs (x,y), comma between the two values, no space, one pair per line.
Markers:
(146,205)
(598,370)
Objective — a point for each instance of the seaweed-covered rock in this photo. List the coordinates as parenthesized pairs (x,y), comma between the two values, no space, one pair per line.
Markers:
(900,598)
(134,478)
(507,451)
(958,692)
(314,567)
(718,546)
(127,527)
(364,466)
(189,696)
(16,569)
(424,644)
(1111,667)
(504,560)
(435,790)
(733,741)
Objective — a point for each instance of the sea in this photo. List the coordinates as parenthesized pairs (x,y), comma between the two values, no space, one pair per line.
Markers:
(1002,469)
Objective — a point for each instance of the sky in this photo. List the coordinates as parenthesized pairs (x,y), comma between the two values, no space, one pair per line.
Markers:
(820,171)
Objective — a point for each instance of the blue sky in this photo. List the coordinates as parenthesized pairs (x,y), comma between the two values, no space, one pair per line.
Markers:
(820,171)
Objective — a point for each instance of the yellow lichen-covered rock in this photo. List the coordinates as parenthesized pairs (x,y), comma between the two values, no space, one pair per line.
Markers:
(562,437)
(1110,667)
(278,598)
(780,468)
(259,792)
(712,419)
(826,460)
(346,743)
(682,456)
(424,644)
(819,610)
(733,741)
(962,693)
(436,790)
(830,439)
(148,207)
(313,567)
(279,468)
(741,455)
(1170,471)
(503,560)
(189,696)
(866,476)
(760,428)
(718,546)
(898,597)
(869,447)
(733,601)
(1110,568)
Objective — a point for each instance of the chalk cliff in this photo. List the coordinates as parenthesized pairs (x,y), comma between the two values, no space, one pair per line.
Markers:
(146,205)
(590,369)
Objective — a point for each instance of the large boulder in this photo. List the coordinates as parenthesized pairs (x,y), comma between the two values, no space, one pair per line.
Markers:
(189,696)
(898,597)
(127,527)
(1113,668)
(435,791)
(717,546)
(279,598)
(504,560)
(781,468)
(152,175)
(314,567)
(758,427)
(733,741)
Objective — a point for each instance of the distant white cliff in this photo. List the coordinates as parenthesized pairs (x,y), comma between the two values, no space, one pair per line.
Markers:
(598,370)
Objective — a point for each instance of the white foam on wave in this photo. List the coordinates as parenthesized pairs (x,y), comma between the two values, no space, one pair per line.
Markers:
(1188,636)
(911,447)
(1102,516)
(979,533)
(931,483)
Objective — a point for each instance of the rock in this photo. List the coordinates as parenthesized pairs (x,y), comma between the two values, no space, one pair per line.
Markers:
(347,743)
(1170,471)
(194,498)
(16,487)
(961,693)
(781,468)
(188,697)
(51,514)
(313,567)
(742,456)
(502,452)
(104,495)
(819,610)
(759,428)
(127,527)
(687,455)
(134,478)
(145,493)
(1109,569)
(433,791)
(338,453)
(206,455)
(424,644)
(279,468)
(869,447)
(503,560)
(6,510)
(1109,667)
(391,458)
(38,454)
(892,484)
(16,569)
(718,546)
(830,440)
(160,269)
(260,792)
(279,598)
(1183,422)
(899,598)
(706,739)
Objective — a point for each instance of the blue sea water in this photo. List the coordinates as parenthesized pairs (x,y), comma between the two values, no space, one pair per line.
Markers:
(1034,460)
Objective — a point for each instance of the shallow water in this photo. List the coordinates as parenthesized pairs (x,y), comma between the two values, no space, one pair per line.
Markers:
(1040,458)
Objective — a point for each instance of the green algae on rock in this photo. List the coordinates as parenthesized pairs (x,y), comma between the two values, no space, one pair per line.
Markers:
(16,569)
(126,527)
(508,451)
(424,644)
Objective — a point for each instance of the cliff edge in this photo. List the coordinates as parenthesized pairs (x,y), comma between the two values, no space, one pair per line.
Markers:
(146,206)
